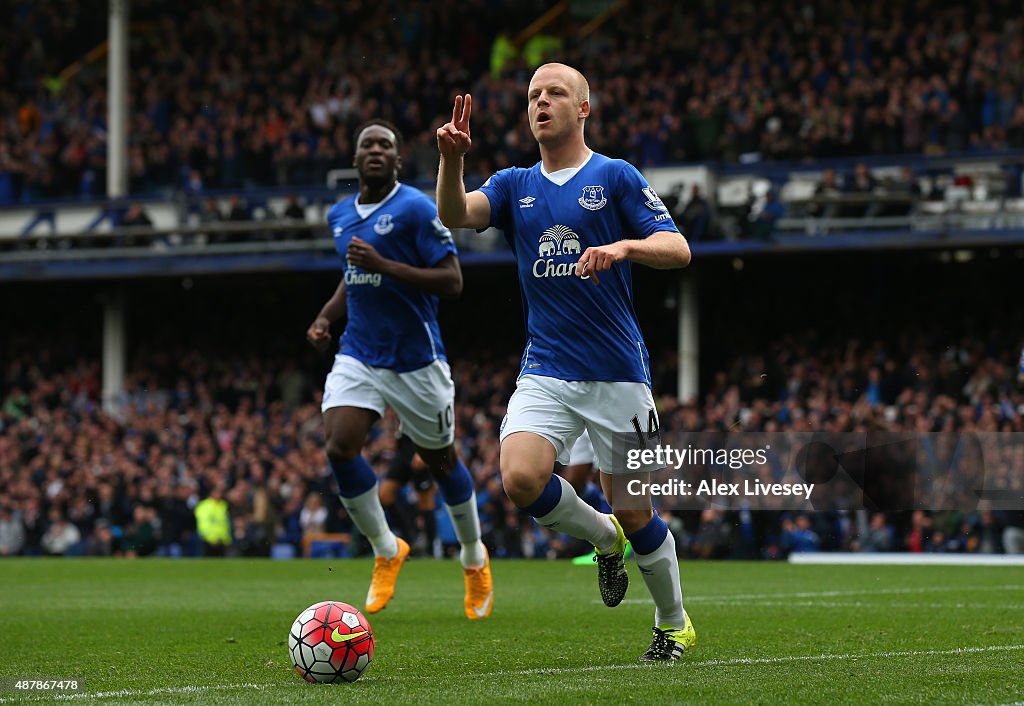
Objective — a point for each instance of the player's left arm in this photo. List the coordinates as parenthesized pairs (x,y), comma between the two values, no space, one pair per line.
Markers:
(443,279)
(662,250)
(660,246)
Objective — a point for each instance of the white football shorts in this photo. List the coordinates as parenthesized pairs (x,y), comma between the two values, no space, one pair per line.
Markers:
(560,411)
(582,452)
(424,399)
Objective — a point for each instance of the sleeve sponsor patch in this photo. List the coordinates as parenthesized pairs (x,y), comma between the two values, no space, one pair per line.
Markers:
(442,232)
(653,201)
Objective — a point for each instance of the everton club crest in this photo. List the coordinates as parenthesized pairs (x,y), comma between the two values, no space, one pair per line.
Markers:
(593,198)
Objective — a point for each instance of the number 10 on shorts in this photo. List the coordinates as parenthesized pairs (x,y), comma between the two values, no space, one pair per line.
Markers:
(445,419)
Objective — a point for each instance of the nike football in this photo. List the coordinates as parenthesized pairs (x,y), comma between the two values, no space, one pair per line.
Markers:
(330,642)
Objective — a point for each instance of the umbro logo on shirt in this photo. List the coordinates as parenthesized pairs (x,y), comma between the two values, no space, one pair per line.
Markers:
(526,202)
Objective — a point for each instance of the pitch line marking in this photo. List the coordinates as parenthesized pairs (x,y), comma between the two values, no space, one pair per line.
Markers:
(755,597)
(734,662)
(859,592)
(744,661)
(833,604)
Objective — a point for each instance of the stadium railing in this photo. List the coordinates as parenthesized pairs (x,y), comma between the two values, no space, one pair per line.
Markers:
(961,201)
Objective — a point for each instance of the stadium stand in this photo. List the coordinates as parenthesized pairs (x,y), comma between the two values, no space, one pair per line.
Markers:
(235,98)
(198,415)
(818,119)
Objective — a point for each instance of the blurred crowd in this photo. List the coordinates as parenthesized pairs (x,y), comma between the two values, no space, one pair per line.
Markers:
(268,93)
(915,382)
(222,454)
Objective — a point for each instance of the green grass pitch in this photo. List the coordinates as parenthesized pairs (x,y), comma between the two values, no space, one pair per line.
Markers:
(214,631)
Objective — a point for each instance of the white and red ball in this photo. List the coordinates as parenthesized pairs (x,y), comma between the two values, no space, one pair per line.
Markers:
(330,642)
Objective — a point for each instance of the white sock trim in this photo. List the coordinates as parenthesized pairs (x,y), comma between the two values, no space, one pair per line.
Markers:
(575,518)
(661,574)
(466,522)
(368,516)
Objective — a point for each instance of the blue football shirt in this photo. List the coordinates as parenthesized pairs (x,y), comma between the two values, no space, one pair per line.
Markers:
(576,330)
(391,324)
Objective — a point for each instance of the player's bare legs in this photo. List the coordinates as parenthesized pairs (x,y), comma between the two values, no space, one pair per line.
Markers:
(527,461)
(346,430)
(456,486)
(632,520)
(655,550)
(389,492)
(578,475)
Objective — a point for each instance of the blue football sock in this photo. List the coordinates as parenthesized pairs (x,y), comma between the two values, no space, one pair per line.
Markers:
(354,477)
(457,486)
(548,499)
(649,537)
(594,497)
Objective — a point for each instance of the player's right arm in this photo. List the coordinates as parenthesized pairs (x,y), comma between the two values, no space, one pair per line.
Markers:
(319,332)
(455,207)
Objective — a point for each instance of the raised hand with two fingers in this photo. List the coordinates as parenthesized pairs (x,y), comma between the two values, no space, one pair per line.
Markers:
(453,138)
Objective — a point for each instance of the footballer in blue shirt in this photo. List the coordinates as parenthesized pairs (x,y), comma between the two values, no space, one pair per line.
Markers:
(398,259)
(576,221)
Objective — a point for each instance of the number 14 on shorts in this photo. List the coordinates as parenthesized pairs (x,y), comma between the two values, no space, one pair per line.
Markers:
(653,430)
